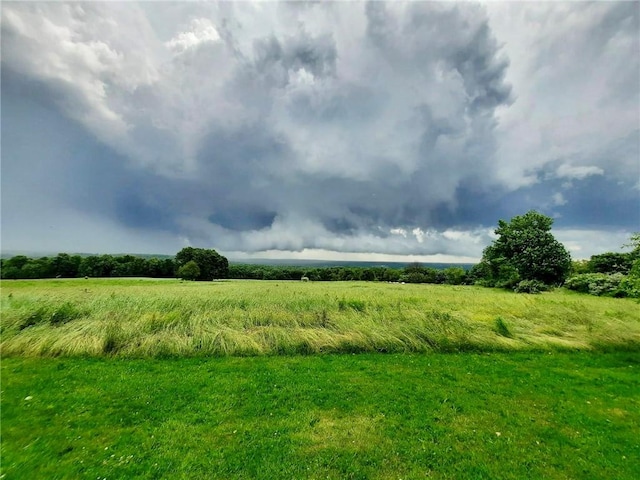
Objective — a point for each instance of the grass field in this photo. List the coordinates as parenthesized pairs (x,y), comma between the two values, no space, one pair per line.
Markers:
(163,379)
(411,416)
(146,318)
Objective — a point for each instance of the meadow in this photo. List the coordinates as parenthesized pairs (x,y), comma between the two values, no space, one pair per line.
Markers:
(164,318)
(138,378)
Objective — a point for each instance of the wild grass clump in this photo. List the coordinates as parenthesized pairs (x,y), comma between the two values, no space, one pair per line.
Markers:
(158,319)
(502,329)
(55,315)
(356,305)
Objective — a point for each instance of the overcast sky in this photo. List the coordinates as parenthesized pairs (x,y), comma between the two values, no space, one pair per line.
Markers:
(378,131)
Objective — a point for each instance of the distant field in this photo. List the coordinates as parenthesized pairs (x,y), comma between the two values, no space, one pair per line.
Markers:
(149,318)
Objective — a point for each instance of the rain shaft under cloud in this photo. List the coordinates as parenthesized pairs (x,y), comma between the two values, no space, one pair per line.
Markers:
(389,128)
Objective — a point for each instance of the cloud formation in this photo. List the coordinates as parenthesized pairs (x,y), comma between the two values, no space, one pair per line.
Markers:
(365,127)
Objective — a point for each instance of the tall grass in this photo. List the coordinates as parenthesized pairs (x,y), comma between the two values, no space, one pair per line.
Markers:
(138,318)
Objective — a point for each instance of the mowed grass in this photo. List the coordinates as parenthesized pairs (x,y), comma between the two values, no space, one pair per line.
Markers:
(164,318)
(514,415)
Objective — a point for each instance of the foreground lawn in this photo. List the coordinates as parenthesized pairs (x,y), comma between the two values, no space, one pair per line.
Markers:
(147,318)
(517,415)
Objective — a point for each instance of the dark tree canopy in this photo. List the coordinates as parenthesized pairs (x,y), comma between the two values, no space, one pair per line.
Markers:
(526,250)
(211,263)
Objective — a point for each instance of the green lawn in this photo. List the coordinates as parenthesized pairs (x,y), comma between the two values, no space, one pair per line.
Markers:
(147,318)
(498,415)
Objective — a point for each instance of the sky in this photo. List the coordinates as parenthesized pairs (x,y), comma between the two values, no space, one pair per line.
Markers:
(317,130)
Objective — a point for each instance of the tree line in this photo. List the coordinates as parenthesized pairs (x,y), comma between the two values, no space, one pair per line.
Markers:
(206,264)
(525,257)
(413,273)
(64,265)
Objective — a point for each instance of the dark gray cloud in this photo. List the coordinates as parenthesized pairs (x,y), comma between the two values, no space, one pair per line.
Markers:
(385,128)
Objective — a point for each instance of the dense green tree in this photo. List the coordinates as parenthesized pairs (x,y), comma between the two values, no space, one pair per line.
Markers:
(33,269)
(611,262)
(525,250)
(16,262)
(97,266)
(211,263)
(189,271)
(65,265)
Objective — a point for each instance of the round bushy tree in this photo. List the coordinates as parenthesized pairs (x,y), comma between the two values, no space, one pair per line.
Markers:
(189,271)
(526,250)
(211,263)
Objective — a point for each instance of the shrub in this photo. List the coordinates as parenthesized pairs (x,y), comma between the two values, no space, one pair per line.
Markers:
(611,262)
(530,286)
(599,284)
(454,275)
(508,277)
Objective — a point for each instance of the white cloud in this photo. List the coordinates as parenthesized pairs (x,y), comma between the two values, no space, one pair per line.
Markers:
(577,172)
(583,243)
(398,231)
(201,31)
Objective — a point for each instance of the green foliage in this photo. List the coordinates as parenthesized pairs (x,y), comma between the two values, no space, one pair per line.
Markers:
(66,266)
(525,250)
(580,266)
(508,275)
(611,262)
(102,266)
(530,286)
(414,273)
(599,284)
(189,271)
(454,275)
(212,265)
(630,285)
(69,266)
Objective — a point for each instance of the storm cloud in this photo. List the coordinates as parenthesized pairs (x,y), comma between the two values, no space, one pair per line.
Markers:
(360,127)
